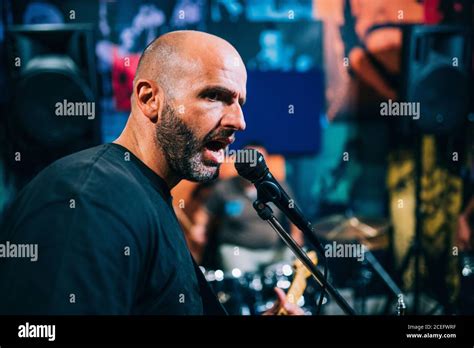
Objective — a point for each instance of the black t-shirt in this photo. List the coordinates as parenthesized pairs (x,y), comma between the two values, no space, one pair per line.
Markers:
(108,243)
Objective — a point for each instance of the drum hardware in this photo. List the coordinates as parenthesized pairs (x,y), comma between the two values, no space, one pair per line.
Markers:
(252,293)
(340,228)
(401,307)
(466,293)
(232,291)
(372,233)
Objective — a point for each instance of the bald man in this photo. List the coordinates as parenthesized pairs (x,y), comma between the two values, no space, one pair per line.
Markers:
(107,239)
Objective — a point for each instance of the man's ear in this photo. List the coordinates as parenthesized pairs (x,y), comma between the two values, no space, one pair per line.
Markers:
(149,97)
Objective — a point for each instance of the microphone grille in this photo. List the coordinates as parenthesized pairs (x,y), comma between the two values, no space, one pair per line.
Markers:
(253,167)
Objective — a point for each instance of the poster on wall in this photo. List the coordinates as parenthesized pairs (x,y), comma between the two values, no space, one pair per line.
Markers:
(125,29)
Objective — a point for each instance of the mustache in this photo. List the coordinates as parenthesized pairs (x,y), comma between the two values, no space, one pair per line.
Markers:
(218,133)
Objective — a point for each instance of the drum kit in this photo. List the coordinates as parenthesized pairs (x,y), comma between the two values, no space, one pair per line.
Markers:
(253,293)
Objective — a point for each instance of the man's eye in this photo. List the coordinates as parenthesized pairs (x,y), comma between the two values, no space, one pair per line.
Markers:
(213,96)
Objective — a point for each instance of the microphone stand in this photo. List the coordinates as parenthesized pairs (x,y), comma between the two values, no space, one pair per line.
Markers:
(266,213)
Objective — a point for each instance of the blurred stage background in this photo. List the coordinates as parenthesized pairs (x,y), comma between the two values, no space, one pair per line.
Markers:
(318,71)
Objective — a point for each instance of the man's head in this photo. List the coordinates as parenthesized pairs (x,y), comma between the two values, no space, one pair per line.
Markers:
(189,88)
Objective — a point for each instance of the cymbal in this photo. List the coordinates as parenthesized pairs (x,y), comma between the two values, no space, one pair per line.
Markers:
(371,232)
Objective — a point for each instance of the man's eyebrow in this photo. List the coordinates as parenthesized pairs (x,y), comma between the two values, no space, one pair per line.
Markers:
(221,90)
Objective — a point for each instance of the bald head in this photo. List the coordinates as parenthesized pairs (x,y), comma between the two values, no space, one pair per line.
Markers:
(177,53)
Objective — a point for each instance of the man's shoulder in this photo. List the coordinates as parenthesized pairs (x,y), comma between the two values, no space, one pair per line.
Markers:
(95,173)
(94,178)
(81,168)
(89,159)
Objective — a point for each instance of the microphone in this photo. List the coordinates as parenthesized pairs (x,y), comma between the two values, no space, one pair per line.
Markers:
(270,190)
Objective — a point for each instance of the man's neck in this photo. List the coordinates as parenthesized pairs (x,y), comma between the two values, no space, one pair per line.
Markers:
(149,153)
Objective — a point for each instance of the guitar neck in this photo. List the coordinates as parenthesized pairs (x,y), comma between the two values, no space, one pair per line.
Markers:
(298,285)
(295,292)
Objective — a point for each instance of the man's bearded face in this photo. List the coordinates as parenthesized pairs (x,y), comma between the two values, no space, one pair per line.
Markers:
(185,151)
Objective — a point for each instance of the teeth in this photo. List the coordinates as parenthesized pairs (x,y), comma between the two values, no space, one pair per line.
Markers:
(220,156)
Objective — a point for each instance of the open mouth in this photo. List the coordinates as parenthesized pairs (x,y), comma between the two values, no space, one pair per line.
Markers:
(215,145)
(214,150)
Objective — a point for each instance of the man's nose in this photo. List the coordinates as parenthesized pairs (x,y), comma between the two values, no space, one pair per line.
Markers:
(234,118)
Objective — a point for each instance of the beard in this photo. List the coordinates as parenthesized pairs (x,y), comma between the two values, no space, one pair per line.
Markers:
(183,150)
